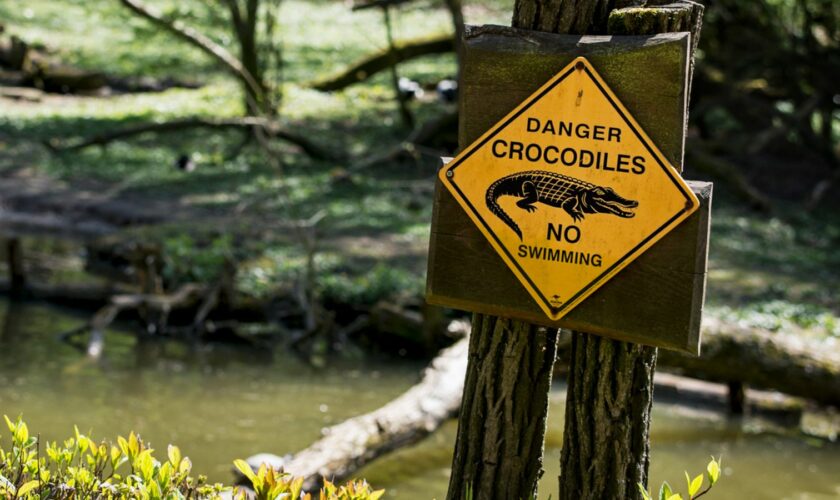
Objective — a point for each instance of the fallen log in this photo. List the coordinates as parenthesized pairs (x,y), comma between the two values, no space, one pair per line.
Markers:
(415,414)
(759,358)
(272,128)
(755,357)
(35,68)
(83,296)
(371,65)
(64,79)
(762,359)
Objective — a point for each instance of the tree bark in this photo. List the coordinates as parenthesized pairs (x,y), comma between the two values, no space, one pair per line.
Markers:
(499,446)
(17,274)
(605,441)
(245,28)
(606,447)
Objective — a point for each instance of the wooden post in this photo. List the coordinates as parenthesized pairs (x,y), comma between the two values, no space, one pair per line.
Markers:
(501,428)
(610,388)
(498,450)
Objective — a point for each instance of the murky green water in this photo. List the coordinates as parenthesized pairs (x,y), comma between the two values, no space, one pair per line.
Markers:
(221,402)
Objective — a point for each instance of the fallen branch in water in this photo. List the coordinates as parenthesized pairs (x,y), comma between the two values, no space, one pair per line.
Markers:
(273,129)
(762,359)
(757,357)
(161,305)
(415,414)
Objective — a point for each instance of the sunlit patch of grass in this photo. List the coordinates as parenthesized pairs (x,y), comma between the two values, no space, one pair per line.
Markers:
(782,315)
(776,272)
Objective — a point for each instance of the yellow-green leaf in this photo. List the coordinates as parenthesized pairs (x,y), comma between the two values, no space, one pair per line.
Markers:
(27,487)
(186,466)
(645,494)
(174,455)
(675,496)
(713,470)
(243,467)
(376,495)
(695,484)
(9,423)
(665,491)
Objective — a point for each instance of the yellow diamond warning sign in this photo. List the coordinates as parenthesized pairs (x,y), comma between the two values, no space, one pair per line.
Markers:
(568,189)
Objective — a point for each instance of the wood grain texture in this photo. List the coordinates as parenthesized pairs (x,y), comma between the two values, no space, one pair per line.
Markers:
(664,287)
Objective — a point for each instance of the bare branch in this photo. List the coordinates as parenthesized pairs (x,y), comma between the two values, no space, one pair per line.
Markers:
(197,39)
(369,66)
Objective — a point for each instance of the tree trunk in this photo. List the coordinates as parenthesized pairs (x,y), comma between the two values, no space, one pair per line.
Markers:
(610,388)
(17,274)
(245,28)
(499,447)
(605,442)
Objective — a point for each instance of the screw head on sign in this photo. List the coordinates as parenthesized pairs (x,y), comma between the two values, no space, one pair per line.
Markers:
(450,173)
(579,66)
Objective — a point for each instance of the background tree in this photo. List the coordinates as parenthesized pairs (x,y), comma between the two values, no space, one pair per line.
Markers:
(767,95)
(258,54)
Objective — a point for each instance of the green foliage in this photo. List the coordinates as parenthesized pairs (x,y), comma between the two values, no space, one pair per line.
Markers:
(380,282)
(187,260)
(81,468)
(783,315)
(693,485)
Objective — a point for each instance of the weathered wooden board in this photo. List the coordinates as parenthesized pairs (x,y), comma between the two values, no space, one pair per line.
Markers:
(656,300)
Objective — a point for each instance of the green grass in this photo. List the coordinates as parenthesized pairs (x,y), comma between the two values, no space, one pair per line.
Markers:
(776,271)
(779,271)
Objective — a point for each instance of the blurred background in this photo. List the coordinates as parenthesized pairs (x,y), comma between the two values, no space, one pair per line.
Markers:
(215,218)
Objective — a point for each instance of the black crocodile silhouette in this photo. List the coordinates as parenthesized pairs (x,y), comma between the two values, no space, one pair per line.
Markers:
(574,196)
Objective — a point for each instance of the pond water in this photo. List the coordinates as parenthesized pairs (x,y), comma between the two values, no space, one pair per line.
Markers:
(223,402)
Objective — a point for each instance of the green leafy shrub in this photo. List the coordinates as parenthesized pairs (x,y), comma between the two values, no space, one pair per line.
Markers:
(81,468)
(380,282)
(694,485)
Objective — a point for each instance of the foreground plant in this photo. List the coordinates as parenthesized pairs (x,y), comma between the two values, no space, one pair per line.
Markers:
(694,485)
(270,484)
(81,468)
